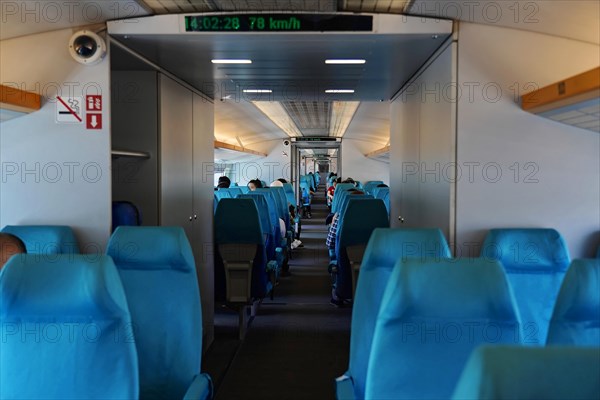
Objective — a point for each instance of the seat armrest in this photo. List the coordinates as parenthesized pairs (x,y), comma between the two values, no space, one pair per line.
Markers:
(200,389)
(344,388)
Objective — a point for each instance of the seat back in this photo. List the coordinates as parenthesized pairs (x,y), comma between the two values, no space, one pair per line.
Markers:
(235,191)
(237,221)
(268,218)
(125,213)
(223,193)
(368,186)
(510,372)
(158,272)
(338,195)
(576,316)
(385,247)
(66,330)
(45,239)
(535,261)
(361,217)
(289,193)
(433,314)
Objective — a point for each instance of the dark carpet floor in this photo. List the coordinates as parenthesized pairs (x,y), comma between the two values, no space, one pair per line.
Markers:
(298,343)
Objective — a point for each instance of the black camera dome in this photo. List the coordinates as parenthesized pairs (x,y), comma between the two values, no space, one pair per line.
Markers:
(85,46)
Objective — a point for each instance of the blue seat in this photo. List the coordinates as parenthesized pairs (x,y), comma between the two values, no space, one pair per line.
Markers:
(535,261)
(223,193)
(598,252)
(66,330)
(305,194)
(432,315)
(385,247)
(381,192)
(370,185)
(289,193)
(45,239)
(244,189)
(235,191)
(359,219)
(268,220)
(158,272)
(576,316)
(510,372)
(125,213)
(338,195)
(237,224)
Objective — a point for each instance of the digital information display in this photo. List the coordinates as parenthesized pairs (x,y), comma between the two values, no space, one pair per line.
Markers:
(315,139)
(279,23)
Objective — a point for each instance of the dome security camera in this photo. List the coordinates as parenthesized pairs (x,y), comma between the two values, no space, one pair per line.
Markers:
(87,47)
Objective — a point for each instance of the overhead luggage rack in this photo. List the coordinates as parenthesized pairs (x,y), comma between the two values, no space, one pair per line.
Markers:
(574,101)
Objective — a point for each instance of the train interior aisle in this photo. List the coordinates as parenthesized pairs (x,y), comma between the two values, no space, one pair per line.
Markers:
(298,341)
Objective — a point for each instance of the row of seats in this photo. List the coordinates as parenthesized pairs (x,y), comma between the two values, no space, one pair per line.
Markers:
(117,326)
(250,248)
(416,310)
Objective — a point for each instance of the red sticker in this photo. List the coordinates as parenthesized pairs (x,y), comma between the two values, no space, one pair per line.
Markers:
(93,103)
(94,121)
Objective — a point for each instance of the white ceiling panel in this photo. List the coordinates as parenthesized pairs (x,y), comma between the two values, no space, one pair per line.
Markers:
(576,19)
(27,17)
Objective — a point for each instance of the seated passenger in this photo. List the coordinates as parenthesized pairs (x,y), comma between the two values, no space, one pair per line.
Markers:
(224,182)
(331,191)
(9,246)
(282,180)
(255,184)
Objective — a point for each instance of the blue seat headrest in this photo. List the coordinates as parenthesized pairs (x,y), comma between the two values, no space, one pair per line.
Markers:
(45,239)
(457,282)
(387,245)
(65,288)
(527,249)
(151,247)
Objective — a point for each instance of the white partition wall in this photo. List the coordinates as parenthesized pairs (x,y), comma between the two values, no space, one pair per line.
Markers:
(527,171)
(203,128)
(186,191)
(423,147)
(52,172)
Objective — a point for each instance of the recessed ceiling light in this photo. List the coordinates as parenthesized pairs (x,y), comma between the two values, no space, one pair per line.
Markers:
(231,61)
(339,91)
(257,91)
(345,61)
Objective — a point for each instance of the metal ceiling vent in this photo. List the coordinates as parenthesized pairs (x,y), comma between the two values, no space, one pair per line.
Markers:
(312,118)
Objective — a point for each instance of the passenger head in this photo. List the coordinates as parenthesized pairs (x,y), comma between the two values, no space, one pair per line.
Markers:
(349,180)
(224,182)
(255,184)
(276,183)
(9,246)
(282,180)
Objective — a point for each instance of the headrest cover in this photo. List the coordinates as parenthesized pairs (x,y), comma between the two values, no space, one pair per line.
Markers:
(45,239)
(451,288)
(579,296)
(527,249)
(386,246)
(64,287)
(151,248)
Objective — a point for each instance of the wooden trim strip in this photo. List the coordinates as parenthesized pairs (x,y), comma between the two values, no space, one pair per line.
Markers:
(19,100)
(223,145)
(570,88)
(378,152)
